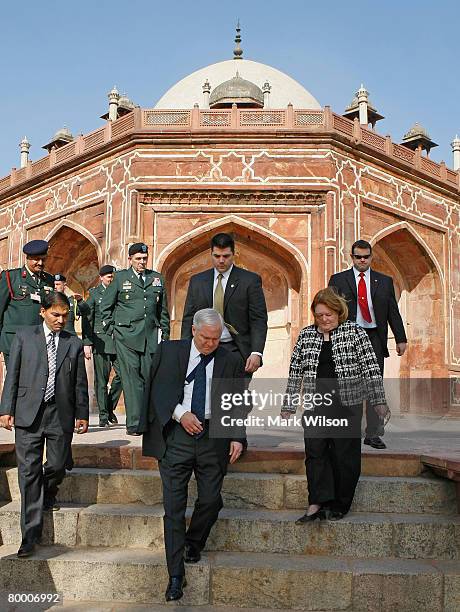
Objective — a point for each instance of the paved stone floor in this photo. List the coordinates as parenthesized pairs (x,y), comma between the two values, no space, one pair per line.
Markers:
(403,434)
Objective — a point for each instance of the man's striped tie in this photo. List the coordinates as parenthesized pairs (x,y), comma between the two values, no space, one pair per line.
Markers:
(51,348)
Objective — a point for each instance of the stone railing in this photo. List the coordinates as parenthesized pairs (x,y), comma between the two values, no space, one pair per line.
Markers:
(197,120)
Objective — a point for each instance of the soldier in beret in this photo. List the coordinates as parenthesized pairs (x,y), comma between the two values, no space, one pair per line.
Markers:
(101,346)
(78,306)
(133,308)
(21,293)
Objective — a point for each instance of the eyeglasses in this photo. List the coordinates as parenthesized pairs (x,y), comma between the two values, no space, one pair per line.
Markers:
(361,256)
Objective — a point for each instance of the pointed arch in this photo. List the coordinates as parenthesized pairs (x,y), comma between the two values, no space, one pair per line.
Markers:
(283,268)
(403,225)
(75,252)
(81,230)
(400,248)
(170,256)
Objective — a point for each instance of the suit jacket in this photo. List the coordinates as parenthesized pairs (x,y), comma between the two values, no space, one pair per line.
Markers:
(166,390)
(27,375)
(93,332)
(244,307)
(134,312)
(383,300)
(21,309)
(355,363)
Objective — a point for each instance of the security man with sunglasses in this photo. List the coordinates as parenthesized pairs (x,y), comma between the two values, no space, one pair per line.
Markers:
(372,304)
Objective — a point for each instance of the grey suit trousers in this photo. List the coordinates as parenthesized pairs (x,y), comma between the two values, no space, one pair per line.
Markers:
(38,481)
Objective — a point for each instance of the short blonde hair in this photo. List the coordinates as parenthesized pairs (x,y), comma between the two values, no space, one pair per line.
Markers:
(330,298)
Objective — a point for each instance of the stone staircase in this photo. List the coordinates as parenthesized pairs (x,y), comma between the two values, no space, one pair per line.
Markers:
(397,550)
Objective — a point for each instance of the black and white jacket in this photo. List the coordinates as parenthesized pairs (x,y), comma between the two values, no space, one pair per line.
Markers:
(355,363)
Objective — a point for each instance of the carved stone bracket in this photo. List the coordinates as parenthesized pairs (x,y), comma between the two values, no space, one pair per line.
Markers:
(226,197)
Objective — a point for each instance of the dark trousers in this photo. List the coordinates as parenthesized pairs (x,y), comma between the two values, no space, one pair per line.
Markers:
(184,455)
(374,423)
(134,368)
(37,481)
(106,401)
(333,467)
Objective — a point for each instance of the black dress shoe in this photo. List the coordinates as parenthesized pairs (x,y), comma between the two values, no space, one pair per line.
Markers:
(375,442)
(175,586)
(113,418)
(26,550)
(104,424)
(191,554)
(50,505)
(308,518)
(132,431)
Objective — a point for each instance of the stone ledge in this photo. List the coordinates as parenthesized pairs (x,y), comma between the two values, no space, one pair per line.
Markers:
(446,465)
(257,460)
(414,494)
(358,535)
(236,580)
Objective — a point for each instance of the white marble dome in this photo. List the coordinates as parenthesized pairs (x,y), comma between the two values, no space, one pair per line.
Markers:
(284,89)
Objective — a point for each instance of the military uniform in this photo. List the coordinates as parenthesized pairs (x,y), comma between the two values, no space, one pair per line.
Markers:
(77,309)
(133,311)
(20,302)
(104,356)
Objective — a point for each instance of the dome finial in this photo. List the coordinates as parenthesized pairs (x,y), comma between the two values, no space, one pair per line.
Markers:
(238,51)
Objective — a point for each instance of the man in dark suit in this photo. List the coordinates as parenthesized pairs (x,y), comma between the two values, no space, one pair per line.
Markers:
(45,396)
(184,430)
(372,304)
(238,296)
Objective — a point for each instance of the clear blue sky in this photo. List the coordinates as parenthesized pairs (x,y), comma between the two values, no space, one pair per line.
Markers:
(58,60)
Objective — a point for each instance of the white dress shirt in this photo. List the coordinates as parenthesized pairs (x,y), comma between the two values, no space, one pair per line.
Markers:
(359,317)
(140,276)
(186,406)
(48,331)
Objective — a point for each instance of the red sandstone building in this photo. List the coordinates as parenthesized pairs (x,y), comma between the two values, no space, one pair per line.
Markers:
(241,147)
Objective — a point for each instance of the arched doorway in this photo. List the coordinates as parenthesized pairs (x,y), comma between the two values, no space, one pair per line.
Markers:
(73,254)
(418,289)
(281,277)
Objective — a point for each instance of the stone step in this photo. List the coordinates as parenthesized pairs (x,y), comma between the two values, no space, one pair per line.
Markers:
(105,606)
(256,459)
(359,534)
(249,490)
(240,581)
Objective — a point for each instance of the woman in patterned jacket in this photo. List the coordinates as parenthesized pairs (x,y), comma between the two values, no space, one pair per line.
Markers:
(333,369)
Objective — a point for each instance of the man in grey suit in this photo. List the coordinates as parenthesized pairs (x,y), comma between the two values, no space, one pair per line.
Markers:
(45,397)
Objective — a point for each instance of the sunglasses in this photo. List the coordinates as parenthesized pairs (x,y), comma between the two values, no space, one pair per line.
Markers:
(361,256)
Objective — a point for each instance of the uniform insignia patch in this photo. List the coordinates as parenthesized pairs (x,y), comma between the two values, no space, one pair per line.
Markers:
(156,282)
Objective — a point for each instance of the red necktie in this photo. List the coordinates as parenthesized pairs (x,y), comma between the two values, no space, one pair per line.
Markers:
(362,299)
